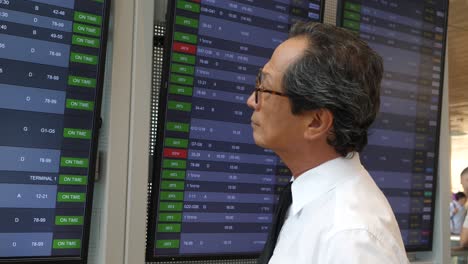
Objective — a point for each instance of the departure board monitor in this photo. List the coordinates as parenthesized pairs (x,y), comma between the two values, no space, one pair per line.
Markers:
(51,65)
(402,154)
(213,189)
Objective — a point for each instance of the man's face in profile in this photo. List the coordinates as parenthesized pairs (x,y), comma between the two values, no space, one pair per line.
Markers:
(274,126)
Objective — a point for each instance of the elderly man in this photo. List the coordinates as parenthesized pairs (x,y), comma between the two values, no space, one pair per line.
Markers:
(313,104)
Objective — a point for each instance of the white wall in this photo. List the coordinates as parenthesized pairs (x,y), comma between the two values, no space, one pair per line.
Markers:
(118,224)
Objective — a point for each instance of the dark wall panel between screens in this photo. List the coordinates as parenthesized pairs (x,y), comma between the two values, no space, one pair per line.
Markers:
(51,65)
(214,190)
(402,154)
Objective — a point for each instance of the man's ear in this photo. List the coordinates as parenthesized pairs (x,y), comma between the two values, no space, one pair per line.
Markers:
(319,123)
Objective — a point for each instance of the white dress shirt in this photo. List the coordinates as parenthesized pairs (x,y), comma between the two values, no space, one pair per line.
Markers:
(339,215)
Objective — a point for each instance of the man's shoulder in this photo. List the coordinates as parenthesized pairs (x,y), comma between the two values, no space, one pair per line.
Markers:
(365,217)
(362,205)
(365,244)
(355,212)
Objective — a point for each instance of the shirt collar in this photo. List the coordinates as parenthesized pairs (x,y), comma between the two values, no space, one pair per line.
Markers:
(317,181)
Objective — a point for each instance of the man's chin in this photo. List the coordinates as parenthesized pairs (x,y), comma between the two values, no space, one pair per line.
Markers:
(259,142)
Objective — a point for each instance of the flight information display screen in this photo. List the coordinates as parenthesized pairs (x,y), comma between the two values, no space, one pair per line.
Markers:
(51,65)
(214,190)
(402,154)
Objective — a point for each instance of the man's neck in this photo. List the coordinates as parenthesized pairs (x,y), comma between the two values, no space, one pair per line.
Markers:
(302,160)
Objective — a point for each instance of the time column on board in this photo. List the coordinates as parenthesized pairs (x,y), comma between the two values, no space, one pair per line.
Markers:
(352,16)
(177,129)
(427,113)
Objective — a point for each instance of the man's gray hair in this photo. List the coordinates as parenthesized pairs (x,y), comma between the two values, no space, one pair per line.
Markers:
(338,72)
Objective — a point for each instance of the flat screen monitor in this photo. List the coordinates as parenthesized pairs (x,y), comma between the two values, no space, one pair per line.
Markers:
(213,189)
(402,154)
(51,67)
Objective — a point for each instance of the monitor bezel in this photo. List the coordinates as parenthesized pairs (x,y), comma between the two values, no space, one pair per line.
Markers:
(83,258)
(156,166)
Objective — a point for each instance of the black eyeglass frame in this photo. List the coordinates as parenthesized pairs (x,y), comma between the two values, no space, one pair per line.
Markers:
(258,88)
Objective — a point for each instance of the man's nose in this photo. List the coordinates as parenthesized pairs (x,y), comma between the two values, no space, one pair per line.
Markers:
(251,101)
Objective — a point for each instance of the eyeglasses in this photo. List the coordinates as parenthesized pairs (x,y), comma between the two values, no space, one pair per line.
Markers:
(258,88)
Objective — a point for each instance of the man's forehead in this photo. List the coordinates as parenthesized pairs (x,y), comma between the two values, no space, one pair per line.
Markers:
(284,55)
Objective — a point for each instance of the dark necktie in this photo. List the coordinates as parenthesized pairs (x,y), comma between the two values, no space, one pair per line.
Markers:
(284,202)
